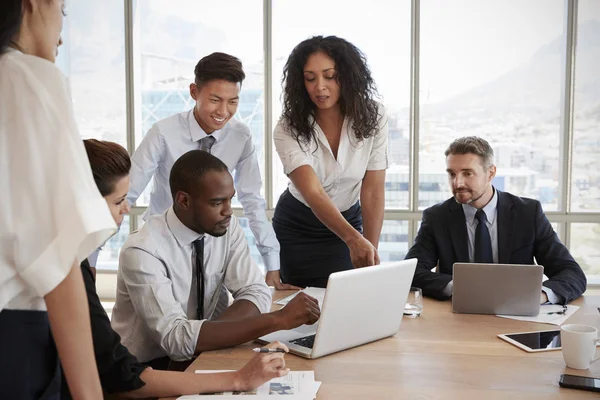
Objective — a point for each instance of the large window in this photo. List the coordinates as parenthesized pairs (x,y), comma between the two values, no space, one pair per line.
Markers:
(393,242)
(93,57)
(382,32)
(586,119)
(169,40)
(585,248)
(493,69)
(497,69)
(170,37)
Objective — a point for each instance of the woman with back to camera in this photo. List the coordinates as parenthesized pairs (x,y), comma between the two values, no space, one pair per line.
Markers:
(119,370)
(51,214)
(332,142)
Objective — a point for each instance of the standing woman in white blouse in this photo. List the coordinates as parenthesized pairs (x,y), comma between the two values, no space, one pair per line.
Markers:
(51,214)
(332,142)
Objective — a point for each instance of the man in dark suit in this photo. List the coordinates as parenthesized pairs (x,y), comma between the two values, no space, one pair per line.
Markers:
(514,230)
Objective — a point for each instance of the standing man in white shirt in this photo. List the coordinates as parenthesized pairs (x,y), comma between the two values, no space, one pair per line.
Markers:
(209,126)
(176,271)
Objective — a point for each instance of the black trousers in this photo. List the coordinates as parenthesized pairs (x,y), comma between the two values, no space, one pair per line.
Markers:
(310,252)
(29,365)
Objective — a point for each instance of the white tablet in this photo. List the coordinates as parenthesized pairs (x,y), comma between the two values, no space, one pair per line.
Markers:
(533,342)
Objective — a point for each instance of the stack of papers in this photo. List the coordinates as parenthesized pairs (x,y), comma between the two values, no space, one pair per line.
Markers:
(317,293)
(553,314)
(295,385)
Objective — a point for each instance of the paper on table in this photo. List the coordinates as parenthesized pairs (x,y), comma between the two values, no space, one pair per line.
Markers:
(295,385)
(317,293)
(548,314)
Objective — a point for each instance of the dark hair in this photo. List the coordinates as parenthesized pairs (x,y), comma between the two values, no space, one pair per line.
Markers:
(219,66)
(11,17)
(109,161)
(190,168)
(473,145)
(357,88)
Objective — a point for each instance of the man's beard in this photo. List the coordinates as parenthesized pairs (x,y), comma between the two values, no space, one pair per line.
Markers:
(471,200)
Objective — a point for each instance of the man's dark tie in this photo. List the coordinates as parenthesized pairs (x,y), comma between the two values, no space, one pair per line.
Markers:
(483,243)
(207,143)
(199,246)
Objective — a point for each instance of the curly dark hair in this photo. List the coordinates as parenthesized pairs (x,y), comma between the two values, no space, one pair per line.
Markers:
(357,88)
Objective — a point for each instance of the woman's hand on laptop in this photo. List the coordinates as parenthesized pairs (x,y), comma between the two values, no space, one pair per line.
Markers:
(302,309)
(261,368)
(362,252)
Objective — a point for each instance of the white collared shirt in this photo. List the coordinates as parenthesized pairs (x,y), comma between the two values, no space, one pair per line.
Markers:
(51,213)
(172,137)
(156,302)
(341,178)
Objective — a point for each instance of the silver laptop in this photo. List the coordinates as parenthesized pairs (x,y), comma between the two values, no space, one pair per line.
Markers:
(500,289)
(360,306)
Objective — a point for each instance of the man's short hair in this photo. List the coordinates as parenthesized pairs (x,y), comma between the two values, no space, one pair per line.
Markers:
(473,145)
(189,169)
(219,66)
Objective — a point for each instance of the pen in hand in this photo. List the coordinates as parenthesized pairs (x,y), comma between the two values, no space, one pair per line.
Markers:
(268,350)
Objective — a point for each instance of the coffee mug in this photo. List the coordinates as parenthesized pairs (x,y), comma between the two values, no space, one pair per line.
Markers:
(579,345)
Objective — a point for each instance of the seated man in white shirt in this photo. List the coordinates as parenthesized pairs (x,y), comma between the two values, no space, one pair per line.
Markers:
(163,311)
(209,126)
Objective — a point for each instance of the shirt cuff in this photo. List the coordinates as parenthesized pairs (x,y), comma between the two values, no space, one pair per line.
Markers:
(553,298)
(294,161)
(271,262)
(448,289)
(378,165)
(263,305)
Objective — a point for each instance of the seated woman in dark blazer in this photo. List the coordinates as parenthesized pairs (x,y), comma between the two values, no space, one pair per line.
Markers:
(119,370)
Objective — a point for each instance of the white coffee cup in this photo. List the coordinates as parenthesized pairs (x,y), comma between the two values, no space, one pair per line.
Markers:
(579,345)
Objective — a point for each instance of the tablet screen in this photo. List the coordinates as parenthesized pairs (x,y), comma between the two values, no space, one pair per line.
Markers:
(538,340)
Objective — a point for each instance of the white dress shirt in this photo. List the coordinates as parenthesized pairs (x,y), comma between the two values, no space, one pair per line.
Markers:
(341,178)
(155,311)
(51,213)
(491,216)
(172,137)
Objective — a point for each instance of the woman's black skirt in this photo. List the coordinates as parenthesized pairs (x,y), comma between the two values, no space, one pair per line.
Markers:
(29,365)
(310,252)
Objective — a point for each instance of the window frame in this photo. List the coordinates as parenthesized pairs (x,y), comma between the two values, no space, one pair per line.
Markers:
(564,217)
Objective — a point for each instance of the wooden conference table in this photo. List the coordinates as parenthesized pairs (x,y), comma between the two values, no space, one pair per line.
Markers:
(440,355)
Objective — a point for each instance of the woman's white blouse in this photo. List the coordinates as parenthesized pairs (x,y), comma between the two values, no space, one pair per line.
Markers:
(51,212)
(341,178)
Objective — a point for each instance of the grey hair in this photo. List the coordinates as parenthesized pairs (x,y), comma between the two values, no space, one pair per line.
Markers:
(473,145)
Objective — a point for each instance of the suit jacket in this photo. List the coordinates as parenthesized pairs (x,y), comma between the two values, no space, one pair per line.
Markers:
(524,232)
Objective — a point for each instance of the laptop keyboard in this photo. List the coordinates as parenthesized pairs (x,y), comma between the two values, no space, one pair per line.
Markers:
(306,341)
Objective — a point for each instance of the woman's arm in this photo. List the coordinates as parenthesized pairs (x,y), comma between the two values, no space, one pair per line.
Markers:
(70,323)
(260,368)
(372,200)
(362,252)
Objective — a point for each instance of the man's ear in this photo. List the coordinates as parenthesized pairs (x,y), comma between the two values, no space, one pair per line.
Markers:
(182,200)
(492,172)
(194,91)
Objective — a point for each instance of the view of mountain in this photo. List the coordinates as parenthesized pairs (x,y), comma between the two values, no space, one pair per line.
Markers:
(537,83)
